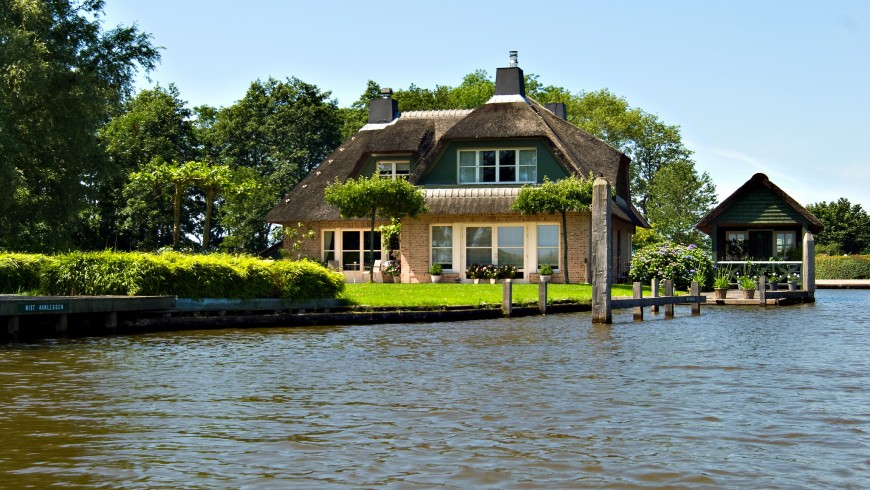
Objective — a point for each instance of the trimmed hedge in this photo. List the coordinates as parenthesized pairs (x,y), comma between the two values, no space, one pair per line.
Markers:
(167,273)
(843,267)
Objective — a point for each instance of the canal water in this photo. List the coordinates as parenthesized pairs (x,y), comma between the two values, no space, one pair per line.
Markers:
(736,398)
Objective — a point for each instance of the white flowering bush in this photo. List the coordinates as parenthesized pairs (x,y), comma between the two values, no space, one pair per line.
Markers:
(678,263)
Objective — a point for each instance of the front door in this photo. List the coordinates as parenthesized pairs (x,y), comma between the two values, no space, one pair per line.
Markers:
(761,244)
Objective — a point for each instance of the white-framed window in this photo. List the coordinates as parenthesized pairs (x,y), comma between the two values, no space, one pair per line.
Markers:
(548,245)
(457,246)
(512,165)
(785,242)
(442,246)
(394,170)
(350,248)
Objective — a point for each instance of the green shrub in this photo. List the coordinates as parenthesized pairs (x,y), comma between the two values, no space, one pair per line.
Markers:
(21,273)
(678,263)
(843,267)
(304,280)
(166,273)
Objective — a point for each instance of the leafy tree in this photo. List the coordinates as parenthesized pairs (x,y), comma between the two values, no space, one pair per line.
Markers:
(571,194)
(159,176)
(246,201)
(154,124)
(679,198)
(847,226)
(62,76)
(356,116)
(212,180)
(391,199)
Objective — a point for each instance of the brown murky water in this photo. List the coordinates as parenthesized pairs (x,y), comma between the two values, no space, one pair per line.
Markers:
(737,398)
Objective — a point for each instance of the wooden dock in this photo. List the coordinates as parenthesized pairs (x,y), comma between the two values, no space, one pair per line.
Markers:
(734,297)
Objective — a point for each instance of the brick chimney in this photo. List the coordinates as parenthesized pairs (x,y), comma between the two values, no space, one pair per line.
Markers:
(509,81)
(384,109)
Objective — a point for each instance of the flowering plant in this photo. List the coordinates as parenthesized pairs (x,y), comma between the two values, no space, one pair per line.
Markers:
(794,277)
(507,271)
(392,268)
(475,271)
(747,282)
(722,279)
(490,271)
(679,263)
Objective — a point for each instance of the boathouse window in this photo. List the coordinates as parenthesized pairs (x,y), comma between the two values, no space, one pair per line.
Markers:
(548,246)
(498,166)
(394,170)
(785,243)
(442,246)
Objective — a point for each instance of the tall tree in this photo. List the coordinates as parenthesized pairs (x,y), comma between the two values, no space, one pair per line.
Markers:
(847,226)
(391,199)
(563,196)
(154,124)
(62,75)
(281,130)
(679,198)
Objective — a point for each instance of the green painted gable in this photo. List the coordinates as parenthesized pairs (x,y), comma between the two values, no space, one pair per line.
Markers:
(445,170)
(759,206)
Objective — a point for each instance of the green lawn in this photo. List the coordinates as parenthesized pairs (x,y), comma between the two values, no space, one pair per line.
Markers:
(435,295)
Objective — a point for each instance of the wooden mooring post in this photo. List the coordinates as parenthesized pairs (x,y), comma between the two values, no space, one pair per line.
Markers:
(542,297)
(507,297)
(654,286)
(601,252)
(669,291)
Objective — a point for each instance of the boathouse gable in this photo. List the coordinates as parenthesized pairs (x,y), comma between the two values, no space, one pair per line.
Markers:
(758,221)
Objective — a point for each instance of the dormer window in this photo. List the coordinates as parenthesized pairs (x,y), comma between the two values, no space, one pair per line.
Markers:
(508,166)
(394,170)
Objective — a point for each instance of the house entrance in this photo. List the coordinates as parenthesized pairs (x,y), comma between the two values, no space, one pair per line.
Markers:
(761,244)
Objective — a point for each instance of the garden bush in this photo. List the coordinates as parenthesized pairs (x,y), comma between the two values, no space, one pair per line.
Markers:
(166,273)
(679,263)
(21,273)
(843,267)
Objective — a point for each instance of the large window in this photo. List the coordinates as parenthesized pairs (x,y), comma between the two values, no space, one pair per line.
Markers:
(510,246)
(548,245)
(785,244)
(442,246)
(478,245)
(393,170)
(498,166)
(350,248)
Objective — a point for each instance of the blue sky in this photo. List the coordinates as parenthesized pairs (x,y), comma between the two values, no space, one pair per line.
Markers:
(780,87)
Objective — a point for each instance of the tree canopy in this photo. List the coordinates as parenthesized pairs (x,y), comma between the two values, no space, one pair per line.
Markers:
(63,74)
(847,227)
(571,194)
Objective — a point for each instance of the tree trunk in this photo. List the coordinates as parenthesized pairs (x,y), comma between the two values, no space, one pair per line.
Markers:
(565,245)
(176,225)
(206,231)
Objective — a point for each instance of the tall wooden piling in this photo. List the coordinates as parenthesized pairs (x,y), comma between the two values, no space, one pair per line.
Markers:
(695,290)
(762,290)
(654,287)
(809,263)
(601,252)
(669,291)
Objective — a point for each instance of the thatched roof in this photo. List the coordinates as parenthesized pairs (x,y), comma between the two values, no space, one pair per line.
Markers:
(425,135)
(706,223)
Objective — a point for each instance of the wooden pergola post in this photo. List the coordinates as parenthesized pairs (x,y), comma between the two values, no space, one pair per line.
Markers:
(601,252)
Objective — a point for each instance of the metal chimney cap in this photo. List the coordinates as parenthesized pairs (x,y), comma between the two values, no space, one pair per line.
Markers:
(386,93)
(513,59)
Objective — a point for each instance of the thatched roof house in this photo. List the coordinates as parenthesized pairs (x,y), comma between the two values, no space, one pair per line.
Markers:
(471,165)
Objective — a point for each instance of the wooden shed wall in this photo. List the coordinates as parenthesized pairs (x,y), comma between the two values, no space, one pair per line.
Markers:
(757,207)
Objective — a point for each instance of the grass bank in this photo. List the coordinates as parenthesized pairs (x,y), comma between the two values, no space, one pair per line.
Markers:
(427,295)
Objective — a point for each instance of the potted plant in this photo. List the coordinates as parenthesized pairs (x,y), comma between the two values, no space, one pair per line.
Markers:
(475,272)
(507,272)
(392,268)
(748,285)
(435,271)
(490,272)
(793,279)
(546,272)
(721,283)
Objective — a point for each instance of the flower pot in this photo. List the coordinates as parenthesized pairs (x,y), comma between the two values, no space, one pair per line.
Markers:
(388,279)
(435,279)
(492,281)
(774,286)
(749,293)
(792,286)
(721,293)
(476,281)
(546,278)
